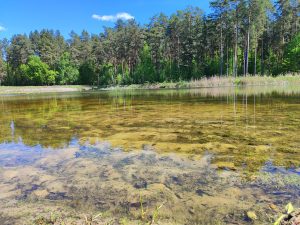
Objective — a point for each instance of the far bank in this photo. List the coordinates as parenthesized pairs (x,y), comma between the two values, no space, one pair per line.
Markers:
(210,82)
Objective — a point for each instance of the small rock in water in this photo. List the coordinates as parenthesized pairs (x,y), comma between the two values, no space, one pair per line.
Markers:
(57,196)
(41,193)
(191,211)
(273,207)
(201,192)
(226,166)
(138,204)
(253,178)
(141,184)
(178,195)
(251,215)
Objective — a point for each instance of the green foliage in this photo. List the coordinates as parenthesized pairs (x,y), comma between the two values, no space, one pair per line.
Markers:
(87,74)
(237,81)
(119,79)
(145,70)
(236,38)
(3,65)
(36,72)
(292,56)
(106,74)
(49,45)
(67,72)
(18,51)
(127,79)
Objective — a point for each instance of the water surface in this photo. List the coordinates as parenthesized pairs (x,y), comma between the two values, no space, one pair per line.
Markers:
(207,156)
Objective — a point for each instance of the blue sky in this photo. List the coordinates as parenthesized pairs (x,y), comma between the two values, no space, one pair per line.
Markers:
(23,16)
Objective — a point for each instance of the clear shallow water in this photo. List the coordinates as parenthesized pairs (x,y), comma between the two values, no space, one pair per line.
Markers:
(208,155)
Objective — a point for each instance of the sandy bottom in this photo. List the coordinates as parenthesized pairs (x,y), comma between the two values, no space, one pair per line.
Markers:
(79,182)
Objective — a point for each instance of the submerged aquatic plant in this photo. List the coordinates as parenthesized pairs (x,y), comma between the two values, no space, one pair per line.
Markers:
(52,219)
(289,208)
(56,219)
(149,219)
(89,220)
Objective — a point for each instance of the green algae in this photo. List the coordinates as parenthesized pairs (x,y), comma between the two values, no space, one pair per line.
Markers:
(204,154)
(249,129)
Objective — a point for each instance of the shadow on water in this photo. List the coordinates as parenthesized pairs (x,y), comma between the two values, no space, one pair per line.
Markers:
(208,156)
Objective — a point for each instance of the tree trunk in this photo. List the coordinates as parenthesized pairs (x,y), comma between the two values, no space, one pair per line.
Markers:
(221,53)
(122,68)
(255,55)
(233,66)
(245,53)
(236,50)
(247,48)
(178,44)
(227,60)
(262,57)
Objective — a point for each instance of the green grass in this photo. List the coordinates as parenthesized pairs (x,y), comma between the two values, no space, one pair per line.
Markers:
(216,81)
(42,89)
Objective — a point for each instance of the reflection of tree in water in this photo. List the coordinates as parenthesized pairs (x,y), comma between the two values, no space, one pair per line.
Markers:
(243,131)
(34,121)
(12,127)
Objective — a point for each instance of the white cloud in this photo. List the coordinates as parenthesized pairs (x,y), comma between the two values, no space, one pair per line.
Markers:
(2,28)
(122,16)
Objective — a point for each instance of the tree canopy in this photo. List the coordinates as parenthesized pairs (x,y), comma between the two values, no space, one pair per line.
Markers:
(36,72)
(238,37)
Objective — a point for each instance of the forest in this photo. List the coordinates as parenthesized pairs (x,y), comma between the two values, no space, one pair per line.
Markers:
(237,38)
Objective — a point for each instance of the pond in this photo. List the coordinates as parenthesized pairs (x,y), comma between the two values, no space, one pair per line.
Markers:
(198,156)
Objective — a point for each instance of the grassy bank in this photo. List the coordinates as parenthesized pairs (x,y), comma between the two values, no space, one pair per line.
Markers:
(216,81)
(41,89)
(211,82)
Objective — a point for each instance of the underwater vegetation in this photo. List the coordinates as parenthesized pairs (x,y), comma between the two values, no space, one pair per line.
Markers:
(149,157)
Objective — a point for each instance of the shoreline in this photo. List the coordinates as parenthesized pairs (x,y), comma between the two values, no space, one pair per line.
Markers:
(8,90)
(214,82)
(205,83)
